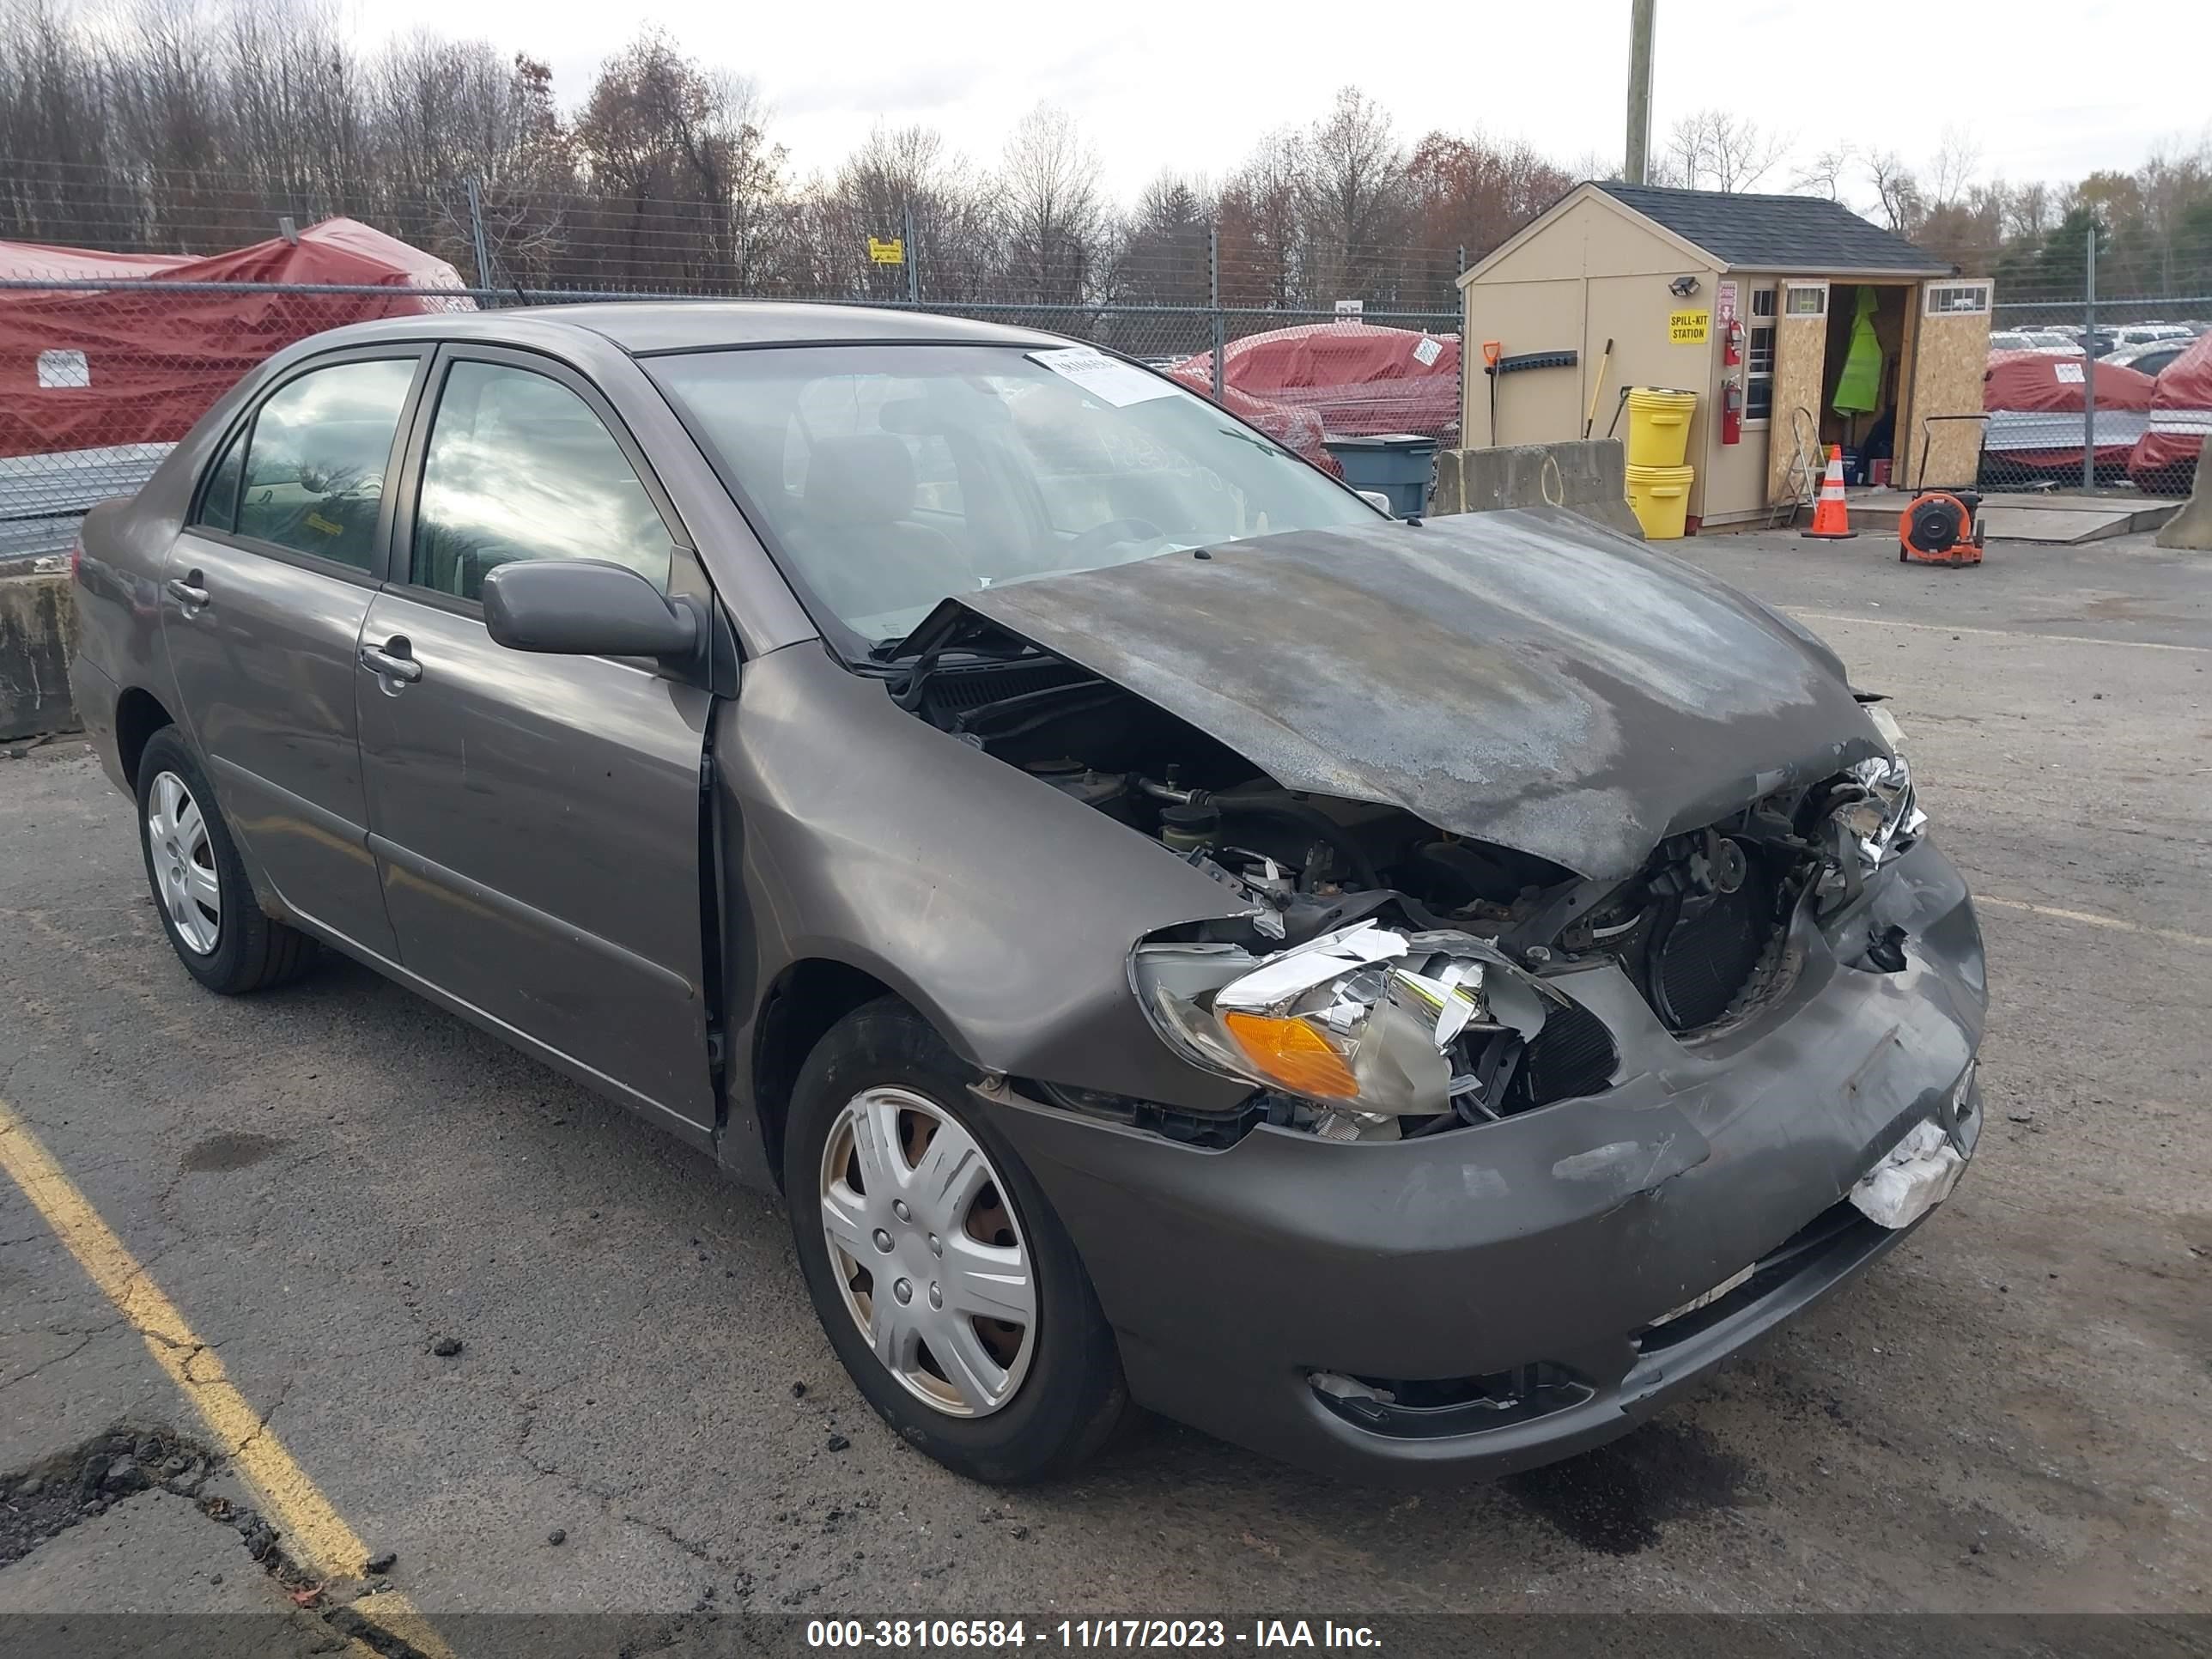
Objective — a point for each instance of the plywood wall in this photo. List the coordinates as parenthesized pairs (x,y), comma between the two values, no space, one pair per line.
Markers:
(1800,355)
(1950,358)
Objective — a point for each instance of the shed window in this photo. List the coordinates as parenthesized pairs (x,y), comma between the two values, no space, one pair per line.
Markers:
(1806,299)
(1958,299)
(1758,357)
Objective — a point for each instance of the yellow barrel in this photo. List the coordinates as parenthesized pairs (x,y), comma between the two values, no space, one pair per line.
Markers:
(1659,425)
(1660,498)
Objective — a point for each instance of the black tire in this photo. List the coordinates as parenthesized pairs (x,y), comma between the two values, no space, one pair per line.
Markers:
(1071,1396)
(250,951)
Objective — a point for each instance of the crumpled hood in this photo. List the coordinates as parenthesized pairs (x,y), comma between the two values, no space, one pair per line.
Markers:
(1525,677)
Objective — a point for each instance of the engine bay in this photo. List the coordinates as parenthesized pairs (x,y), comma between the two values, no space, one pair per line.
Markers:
(1701,929)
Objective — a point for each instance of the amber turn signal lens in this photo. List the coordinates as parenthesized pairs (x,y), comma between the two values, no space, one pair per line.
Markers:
(1294,1055)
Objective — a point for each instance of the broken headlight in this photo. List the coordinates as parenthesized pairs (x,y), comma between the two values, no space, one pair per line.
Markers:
(1366,1017)
(1885,818)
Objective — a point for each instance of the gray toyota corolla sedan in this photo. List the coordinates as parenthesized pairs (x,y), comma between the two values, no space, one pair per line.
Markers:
(1407,997)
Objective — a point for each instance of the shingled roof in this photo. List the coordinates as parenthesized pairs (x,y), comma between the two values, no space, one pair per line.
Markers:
(1776,233)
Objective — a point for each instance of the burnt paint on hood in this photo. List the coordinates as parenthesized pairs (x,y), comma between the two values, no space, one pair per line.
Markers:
(1525,677)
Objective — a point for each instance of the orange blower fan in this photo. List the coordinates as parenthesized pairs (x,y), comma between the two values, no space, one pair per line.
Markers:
(1940,527)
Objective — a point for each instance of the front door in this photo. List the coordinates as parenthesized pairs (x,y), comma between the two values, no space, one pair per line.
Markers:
(262,605)
(537,819)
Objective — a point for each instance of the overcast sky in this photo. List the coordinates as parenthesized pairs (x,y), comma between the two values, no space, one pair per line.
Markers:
(1190,83)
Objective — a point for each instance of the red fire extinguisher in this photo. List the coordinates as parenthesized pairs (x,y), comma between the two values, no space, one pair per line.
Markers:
(1731,412)
(1732,344)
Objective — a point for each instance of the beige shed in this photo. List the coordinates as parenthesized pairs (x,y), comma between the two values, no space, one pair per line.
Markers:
(1670,276)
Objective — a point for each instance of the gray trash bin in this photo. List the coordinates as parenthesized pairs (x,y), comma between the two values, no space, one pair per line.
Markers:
(1398,465)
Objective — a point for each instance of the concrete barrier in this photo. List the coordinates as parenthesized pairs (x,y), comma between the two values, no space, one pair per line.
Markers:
(36,622)
(1588,476)
(2191,529)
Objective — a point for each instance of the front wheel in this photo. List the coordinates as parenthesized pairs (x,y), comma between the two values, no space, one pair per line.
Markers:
(946,1283)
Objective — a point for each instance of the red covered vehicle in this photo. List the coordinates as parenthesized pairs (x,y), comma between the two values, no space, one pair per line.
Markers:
(2035,400)
(1359,378)
(96,384)
(2179,423)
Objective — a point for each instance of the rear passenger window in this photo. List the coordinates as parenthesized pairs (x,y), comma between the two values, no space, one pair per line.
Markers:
(315,462)
(520,467)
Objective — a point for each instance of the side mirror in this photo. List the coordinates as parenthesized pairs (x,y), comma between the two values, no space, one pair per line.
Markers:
(1377,500)
(584,608)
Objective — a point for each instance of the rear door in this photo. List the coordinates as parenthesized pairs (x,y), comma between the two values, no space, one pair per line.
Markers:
(262,605)
(537,819)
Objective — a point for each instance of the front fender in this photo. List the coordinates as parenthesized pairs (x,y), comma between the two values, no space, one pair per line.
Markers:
(1003,911)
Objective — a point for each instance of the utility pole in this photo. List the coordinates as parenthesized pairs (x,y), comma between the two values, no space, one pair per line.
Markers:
(1639,91)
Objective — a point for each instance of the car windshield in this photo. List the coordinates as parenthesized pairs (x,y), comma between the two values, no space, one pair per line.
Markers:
(887,478)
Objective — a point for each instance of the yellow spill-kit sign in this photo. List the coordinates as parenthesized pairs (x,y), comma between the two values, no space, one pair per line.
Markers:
(1688,327)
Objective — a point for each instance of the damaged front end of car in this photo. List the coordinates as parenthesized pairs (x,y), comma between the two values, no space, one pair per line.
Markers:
(1590,995)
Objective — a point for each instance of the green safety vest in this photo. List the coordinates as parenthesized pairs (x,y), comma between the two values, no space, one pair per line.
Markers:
(1858,389)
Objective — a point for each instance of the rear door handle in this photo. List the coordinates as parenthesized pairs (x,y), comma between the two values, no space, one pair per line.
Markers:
(392,665)
(188,592)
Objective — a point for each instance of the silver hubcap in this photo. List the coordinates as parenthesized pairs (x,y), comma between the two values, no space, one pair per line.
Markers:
(927,1253)
(184,863)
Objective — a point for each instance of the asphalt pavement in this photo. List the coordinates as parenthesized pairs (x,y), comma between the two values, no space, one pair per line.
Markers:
(636,1413)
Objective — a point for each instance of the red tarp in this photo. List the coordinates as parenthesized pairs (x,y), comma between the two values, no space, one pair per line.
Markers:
(2180,423)
(87,370)
(2035,402)
(1360,378)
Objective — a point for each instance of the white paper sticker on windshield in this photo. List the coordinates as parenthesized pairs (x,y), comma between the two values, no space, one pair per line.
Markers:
(1107,378)
(2070,374)
(1429,350)
(64,368)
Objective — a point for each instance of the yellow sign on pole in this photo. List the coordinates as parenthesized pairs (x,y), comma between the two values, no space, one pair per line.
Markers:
(1689,327)
(887,251)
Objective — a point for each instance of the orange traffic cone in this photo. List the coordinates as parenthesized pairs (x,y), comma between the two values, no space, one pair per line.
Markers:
(1831,520)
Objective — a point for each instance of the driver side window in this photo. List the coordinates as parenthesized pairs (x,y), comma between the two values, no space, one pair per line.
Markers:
(520,467)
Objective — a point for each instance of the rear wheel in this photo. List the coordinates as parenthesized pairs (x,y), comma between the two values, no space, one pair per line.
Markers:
(946,1283)
(207,905)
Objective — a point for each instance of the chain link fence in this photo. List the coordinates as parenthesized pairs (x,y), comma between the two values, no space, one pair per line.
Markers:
(105,373)
(2073,397)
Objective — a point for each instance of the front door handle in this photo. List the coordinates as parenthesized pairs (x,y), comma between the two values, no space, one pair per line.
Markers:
(390,662)
(187,592)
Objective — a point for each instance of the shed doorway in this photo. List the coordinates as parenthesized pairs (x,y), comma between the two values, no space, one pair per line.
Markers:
(1866,435)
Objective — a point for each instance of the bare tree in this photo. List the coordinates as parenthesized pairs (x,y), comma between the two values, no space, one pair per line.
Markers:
(1951,170)
(1053,212)
(686,153)
(1823,175)
(1899,200)
(1263,233)
(1355,195)
(1720,150)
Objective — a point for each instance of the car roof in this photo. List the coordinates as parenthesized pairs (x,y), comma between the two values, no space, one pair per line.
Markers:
(644,327)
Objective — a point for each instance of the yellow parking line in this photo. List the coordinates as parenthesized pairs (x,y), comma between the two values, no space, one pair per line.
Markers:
(315,1535)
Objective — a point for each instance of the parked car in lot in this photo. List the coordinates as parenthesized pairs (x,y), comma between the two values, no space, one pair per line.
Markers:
(1406,997)
(2149,357)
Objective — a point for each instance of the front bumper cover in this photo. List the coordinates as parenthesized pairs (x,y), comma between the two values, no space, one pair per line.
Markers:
(1558,1237)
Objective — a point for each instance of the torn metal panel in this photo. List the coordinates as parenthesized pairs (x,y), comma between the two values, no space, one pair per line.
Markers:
(1525,677)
